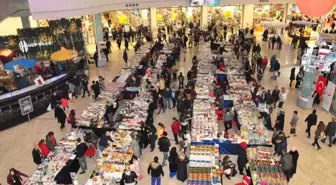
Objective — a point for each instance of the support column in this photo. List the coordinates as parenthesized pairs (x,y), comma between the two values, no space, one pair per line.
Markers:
(98,27)
(204,18)
(153,22)
(248,15)
(25,22)
(289,7)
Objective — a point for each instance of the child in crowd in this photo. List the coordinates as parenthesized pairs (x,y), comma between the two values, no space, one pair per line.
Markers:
(65,103)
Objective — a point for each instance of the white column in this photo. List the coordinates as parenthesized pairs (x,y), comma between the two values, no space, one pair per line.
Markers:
(204,17)
(288,11)
(153,22)
(248,15)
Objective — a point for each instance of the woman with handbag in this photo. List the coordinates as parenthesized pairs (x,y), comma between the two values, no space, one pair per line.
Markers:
(293,123)
(319,132)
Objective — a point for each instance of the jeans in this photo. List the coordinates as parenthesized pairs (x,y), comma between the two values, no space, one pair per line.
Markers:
(330,139)
(174,102)
(152,144)
(82,163)
(167,102)
(156,180)
(101,148)
(165,158)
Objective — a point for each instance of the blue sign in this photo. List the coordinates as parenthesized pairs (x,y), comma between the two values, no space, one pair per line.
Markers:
(204,2)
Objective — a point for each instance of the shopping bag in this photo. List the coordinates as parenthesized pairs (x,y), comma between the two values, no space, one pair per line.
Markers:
(292,131)
(49,107)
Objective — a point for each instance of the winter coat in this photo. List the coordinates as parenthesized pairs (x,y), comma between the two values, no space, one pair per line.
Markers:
(172,159)
(136,148)
(311,119)
(155,169)
(286,162)
(182,168)
(331,129)
(176,127)
(164,144)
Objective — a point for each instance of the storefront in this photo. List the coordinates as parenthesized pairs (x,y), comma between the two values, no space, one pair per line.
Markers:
(133,18)
(269,12)
(178,15)
(229,15)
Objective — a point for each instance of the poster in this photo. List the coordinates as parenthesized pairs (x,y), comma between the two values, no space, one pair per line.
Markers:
(328,96)
(307,84)
(320,85)
(26,105)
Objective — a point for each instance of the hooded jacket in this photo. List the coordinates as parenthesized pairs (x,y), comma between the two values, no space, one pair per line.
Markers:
(155,169)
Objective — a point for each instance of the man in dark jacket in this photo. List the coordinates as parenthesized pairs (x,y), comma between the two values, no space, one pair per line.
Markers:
(37,155)
(167,94)
(80,155)
(152,136)
(164,145)
(155,170)
(85,84)
(311,120)
(103,141)
(330,131)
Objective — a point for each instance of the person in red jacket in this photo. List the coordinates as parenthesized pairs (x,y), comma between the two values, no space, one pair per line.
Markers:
(176,129)
(44,148)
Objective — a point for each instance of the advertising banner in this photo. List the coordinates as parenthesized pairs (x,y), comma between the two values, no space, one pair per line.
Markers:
(307,84)
(320,85)
(328,96)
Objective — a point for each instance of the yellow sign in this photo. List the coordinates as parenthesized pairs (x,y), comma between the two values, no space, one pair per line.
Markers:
(159,17)
(228,14)
(123,19)
(174,16)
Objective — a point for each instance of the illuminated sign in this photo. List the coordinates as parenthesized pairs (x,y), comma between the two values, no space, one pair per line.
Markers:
(24,46)
(204,2)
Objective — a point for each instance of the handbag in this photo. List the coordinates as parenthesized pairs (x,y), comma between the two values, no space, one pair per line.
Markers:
(292,131)
(49,107)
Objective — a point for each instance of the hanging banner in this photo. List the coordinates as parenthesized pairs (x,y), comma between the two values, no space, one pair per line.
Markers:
(328,96)
(307,84)
(320,85)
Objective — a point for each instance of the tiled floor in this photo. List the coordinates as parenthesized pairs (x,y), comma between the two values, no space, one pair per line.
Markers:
(17,143)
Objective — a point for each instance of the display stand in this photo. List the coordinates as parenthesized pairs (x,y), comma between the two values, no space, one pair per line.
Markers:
(304,102)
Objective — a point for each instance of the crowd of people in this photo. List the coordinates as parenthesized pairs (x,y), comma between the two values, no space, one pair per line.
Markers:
(172,90)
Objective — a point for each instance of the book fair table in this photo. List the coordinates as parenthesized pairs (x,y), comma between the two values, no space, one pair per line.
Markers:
(58,165)
(264,166)
(113,160)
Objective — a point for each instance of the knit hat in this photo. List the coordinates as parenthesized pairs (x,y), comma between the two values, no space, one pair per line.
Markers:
(243,145)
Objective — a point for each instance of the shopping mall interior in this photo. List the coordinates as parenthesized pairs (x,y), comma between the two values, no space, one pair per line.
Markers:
(129,56)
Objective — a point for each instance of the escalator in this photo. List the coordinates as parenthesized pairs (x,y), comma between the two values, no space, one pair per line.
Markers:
(14,8)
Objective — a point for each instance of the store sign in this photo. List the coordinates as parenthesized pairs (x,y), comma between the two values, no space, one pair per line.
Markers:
(26,105)
(328,96)
(263,1)
(24,46)
(204,2)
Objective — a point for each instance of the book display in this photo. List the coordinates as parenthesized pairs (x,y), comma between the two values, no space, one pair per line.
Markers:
(264,166)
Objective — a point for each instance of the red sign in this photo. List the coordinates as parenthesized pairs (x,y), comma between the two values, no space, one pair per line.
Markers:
(320,85)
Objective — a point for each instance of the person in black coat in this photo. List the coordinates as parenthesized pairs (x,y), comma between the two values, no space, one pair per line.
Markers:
(330,131)
(37,155)
(311,120)
(85,84)
(242,158)
(172,159)
(292,76)
(280,121)
(60,115)
(182,168)
(54,100)
(164,145)
(65,92)
(276,95)
(152,134)
(143,136)
(295,157)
